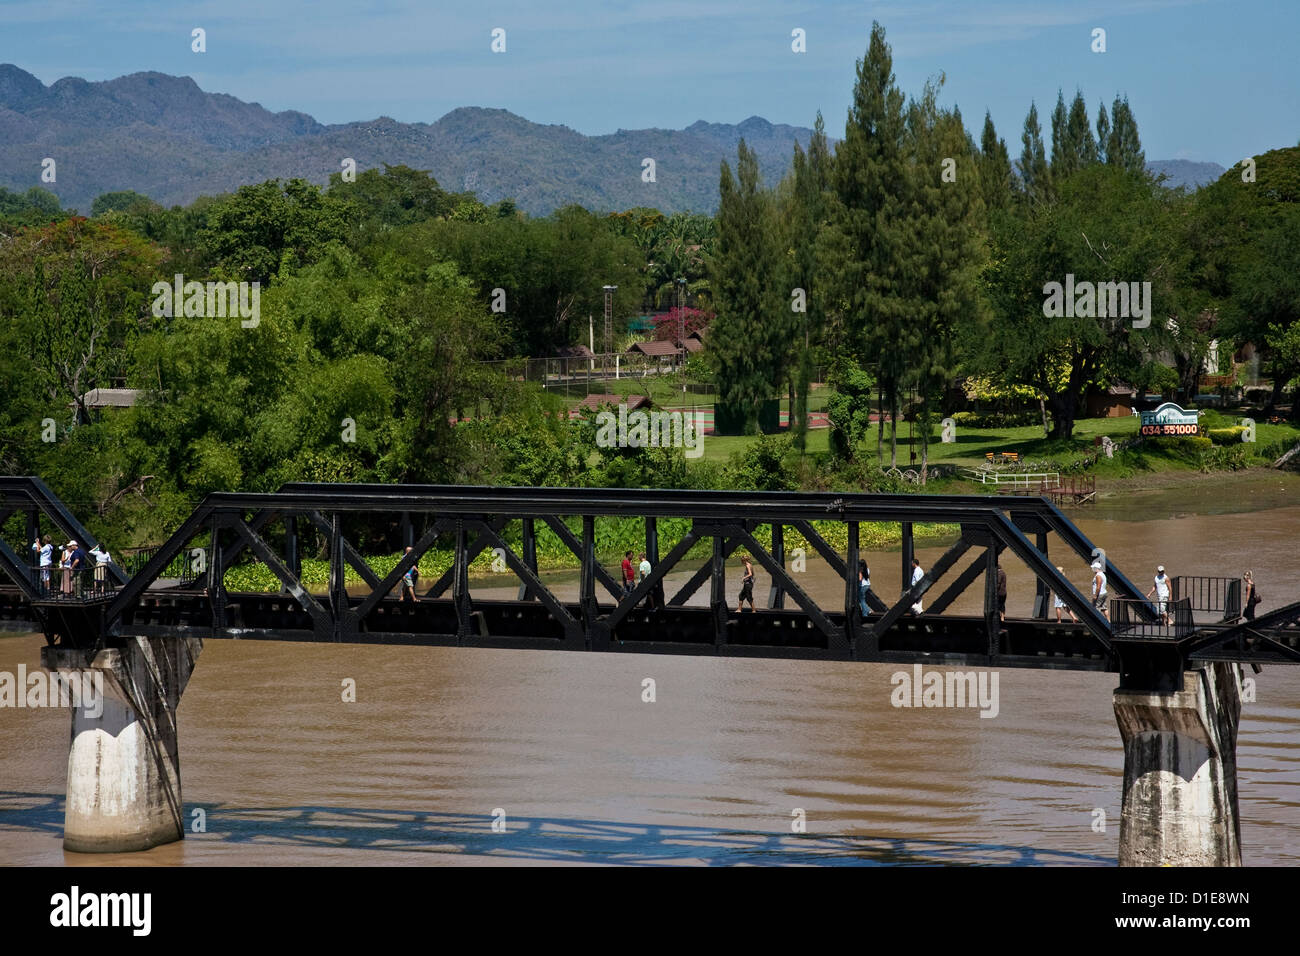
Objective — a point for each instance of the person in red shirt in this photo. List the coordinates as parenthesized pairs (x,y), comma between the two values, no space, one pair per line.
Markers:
(629,576)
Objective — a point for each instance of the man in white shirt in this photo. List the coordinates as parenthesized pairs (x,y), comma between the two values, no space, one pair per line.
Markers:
(1099,590)
(917,575)
(1161,590)
(46,552)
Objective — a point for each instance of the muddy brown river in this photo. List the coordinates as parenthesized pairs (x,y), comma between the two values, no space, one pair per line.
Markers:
(562,753)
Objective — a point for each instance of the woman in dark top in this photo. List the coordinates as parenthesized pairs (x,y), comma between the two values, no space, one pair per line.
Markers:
(1250,598)
(746,586)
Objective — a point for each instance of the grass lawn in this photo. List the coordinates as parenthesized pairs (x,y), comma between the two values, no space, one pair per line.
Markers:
(666,392)
(720,447)
(973,443)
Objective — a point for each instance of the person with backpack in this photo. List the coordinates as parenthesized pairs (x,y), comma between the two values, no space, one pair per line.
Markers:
(408,581)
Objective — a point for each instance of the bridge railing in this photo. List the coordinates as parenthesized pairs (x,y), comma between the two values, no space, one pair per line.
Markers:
(1175,620)
(56,583)
(181,567)
(1210,594)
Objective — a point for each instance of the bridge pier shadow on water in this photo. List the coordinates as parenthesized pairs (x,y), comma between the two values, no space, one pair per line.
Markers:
(540,840)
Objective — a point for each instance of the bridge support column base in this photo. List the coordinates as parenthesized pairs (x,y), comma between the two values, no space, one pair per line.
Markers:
(124,783)
(1180,772)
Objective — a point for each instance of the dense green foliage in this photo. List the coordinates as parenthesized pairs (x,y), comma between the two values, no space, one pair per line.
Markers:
(905,258)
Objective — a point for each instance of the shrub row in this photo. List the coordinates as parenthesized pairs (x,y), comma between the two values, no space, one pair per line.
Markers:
(998,419)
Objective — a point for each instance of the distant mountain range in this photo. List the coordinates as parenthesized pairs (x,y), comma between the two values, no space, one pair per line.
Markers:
(1183,172)
(163,136)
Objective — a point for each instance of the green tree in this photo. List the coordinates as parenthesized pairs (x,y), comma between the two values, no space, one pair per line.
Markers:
(749,339)
(1123,145)
(870,188)
(1073,147)
(118,202)
(994,168)
(258,231)
(1035,175)
(804,212)
(77,290)
(942,252)
(1108,225)
(1243,232)
(396,196)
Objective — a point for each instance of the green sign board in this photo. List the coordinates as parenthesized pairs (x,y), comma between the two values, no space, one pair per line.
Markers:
(1169,420)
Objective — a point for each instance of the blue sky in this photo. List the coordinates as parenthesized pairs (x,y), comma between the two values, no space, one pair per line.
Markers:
(1208,79)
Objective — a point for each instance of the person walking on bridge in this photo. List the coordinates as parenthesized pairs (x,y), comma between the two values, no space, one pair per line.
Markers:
(1161,590)
(629,575)
(864,588)
(918,573)
(1250,598)
(644,569)
(1099,590)
(1060,604)
(408,580)
(746,586)
(1002,593)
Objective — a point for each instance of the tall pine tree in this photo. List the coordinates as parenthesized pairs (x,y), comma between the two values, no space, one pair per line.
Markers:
(942,252)
(994,168)
(750,336)
(1035,176)
(1123,147)
(870,185)
(806,213)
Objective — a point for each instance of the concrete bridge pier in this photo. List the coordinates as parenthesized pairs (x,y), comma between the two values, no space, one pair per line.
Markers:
(1180,771)
(124,780)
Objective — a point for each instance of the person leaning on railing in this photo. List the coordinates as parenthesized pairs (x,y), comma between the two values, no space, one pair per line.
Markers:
(102,561)
(78,561)
(65,569)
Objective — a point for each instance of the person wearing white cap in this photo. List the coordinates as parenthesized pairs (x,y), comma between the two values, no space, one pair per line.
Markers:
(1099,590)
(1161,590)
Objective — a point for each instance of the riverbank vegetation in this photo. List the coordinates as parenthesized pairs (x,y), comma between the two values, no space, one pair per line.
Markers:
(908,258)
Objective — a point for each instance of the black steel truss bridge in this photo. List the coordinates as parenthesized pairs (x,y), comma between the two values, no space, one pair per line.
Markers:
(1147,646)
